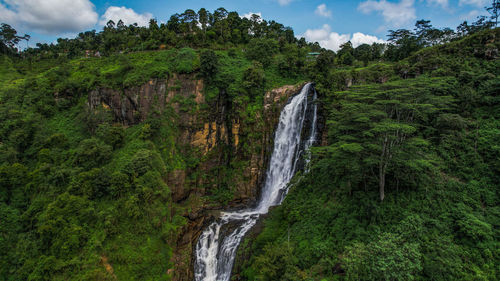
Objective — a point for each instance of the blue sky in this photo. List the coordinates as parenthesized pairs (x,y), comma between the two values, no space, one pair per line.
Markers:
(328,22)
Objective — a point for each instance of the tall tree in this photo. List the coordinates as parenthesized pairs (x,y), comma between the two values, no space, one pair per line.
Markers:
(403,43)
(494,10)
(9,38)
(173,23)
(345,54)
(190,19)
(253,79)
(363,53)
(203,19)
(377,128)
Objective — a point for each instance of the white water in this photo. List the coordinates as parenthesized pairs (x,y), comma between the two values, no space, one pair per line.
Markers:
(217,245)
(312,136)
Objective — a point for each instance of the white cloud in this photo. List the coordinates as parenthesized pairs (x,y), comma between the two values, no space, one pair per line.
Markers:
(332,40)
(321,10)
(477,3)
(471,16)
(250,14)
(6,15)
(442,3)
(284,2)
(49,16)
(127,15)
(359,38)
(396,14)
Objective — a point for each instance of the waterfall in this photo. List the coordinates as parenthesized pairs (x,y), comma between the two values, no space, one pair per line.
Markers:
(217,245)
(312,136)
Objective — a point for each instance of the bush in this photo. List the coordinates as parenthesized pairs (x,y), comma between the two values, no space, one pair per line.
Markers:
(262,50)
(388,258)
(92,153)
(92,184)
(186,61)
(209,65)
(143,161)
(111,135)
(119,184)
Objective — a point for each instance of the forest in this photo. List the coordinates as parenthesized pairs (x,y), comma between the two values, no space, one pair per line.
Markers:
(404,184)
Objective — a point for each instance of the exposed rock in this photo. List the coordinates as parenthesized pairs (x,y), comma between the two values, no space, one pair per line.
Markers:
(235,130)
(133,105)
(348,82)
(176,181)
(108,267)
(244,252)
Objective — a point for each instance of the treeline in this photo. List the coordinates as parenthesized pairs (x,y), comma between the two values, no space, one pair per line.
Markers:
(404,42)
(189,29)
(221,29)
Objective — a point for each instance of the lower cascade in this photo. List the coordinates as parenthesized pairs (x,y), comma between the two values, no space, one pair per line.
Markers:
(217,245)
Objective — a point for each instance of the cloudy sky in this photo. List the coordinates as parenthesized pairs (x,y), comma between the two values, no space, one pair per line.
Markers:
(331,23)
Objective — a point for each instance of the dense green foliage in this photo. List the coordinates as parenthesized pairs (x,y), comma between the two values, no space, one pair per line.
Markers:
(72,197)
(430,133)
(200,29)
(413,123)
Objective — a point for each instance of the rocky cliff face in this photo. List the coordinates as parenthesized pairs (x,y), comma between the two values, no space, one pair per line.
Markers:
(215,134)
(133,105)
(247,179)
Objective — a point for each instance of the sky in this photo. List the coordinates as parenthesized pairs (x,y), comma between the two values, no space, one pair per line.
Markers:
(331,23)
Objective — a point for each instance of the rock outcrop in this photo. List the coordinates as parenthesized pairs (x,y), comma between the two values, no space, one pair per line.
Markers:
(134,105)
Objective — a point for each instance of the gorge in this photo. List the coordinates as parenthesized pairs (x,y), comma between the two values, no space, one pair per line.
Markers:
(217,245)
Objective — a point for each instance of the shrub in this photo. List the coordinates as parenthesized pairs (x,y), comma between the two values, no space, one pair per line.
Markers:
(186,61)
(111,135)
(262,50)
(92,153)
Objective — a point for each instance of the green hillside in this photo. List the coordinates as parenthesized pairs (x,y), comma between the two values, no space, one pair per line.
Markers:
(103,177)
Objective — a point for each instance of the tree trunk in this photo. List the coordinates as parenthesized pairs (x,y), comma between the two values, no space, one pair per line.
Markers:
(382,167)
(381,182)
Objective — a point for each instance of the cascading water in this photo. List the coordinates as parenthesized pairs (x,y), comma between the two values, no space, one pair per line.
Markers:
(312,136)
(217,245)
